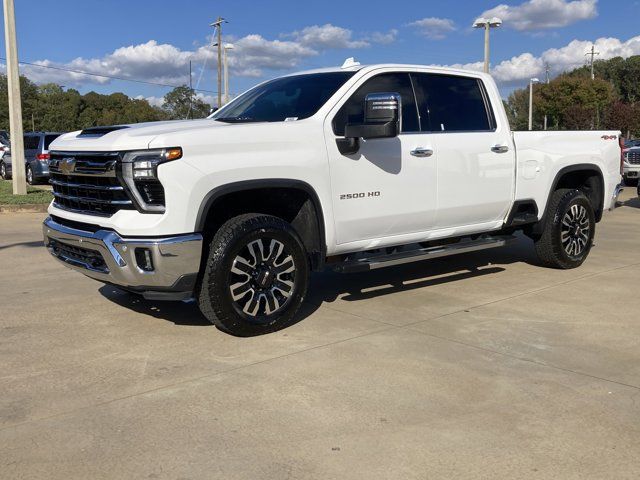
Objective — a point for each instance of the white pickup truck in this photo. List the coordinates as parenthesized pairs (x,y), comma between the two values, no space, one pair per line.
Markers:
(355,168)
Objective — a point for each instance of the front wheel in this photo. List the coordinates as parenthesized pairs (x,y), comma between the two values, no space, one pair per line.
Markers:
(256,276)
(3,171)
(569,229)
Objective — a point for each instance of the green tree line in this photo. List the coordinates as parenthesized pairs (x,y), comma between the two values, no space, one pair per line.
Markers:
(573,101)
(49,107)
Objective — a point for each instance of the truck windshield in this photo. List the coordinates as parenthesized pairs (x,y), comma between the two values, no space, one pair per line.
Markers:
(284,99)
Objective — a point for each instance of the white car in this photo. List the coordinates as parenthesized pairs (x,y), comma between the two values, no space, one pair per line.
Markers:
(357,168)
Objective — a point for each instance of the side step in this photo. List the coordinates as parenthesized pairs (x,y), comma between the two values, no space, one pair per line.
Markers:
(408,256)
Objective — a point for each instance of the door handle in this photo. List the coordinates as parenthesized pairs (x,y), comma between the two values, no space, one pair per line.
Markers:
(421,152)
(500,148)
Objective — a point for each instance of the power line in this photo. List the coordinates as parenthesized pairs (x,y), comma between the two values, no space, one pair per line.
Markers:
(113,77)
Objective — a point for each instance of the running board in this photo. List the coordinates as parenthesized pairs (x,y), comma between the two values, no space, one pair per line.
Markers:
(416,255)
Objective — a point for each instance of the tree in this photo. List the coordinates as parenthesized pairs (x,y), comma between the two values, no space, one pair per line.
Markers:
(569,101)
(624,117)
(181,103)
(49,107)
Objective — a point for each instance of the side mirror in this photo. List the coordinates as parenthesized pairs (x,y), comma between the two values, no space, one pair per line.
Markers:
(382,113)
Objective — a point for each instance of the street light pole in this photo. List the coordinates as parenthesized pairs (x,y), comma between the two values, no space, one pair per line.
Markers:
(531,82)
(487,24)
(487,28)
(15,104)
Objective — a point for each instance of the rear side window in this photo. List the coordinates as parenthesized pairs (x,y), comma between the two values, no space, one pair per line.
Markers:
(353,110)
(48,139)
(31,142)
(449,103)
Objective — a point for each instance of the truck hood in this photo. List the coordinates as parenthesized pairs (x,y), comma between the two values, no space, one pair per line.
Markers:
(128,137)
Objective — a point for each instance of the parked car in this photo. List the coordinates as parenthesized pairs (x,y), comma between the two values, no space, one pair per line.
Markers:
(354,168)
(631,164)
(4,148)
(36,152)
(4,137)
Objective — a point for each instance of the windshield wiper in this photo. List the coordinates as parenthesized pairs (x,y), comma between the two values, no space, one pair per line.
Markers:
(236,119)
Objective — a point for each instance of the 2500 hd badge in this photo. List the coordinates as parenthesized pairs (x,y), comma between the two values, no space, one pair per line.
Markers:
(352,196)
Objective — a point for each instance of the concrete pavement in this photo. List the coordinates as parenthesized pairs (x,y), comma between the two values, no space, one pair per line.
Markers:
(479,366)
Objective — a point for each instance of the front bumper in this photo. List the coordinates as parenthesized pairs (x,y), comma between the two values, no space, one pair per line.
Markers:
(106,256)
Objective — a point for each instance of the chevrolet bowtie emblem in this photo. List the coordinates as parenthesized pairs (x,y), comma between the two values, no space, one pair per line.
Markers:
(67,165)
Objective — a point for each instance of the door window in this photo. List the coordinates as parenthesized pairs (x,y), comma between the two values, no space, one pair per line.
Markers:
(449,103)
(353,110)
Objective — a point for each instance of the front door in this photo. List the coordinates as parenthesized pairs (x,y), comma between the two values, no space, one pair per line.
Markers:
(388,188)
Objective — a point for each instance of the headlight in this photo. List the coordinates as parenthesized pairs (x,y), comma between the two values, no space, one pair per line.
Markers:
(140,175)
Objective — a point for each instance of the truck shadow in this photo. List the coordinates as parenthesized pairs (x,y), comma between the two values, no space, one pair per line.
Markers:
(37,243)
(633,203)
(328,287)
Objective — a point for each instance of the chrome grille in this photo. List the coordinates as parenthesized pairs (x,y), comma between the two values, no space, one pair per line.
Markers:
(87,183)
(633,157)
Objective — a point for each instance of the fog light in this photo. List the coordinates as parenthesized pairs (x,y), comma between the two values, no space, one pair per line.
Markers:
(144,259)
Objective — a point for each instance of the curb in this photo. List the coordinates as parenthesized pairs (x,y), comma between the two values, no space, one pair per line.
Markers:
(26,208)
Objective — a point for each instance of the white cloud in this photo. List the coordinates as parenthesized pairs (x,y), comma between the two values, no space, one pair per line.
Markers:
(382,37)
(153,101)
(434,28)
(522,67)
(544,14)
(327,37)
(165,63)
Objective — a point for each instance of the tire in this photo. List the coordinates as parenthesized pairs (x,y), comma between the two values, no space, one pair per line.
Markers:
(3,172)
(30,178)
(569,230)
(256,276)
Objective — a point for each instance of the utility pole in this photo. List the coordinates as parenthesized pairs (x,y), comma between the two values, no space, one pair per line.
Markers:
(593,53)
(15,104)
(546,72)
(218,26)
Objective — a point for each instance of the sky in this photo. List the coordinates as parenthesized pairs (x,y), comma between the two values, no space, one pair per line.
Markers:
(154,41)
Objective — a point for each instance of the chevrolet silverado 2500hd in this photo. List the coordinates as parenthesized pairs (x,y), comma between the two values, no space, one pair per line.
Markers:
(355,168)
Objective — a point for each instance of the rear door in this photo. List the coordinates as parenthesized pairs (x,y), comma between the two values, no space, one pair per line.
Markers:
(476,160)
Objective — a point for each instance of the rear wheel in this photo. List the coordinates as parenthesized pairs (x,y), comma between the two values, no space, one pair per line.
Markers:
(30,178)
(256,276)
(3,171)
(568,231)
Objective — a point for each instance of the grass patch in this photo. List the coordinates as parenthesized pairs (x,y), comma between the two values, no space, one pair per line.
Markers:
(33,196)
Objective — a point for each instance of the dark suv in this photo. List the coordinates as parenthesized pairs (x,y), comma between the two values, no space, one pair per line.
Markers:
(36,153)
